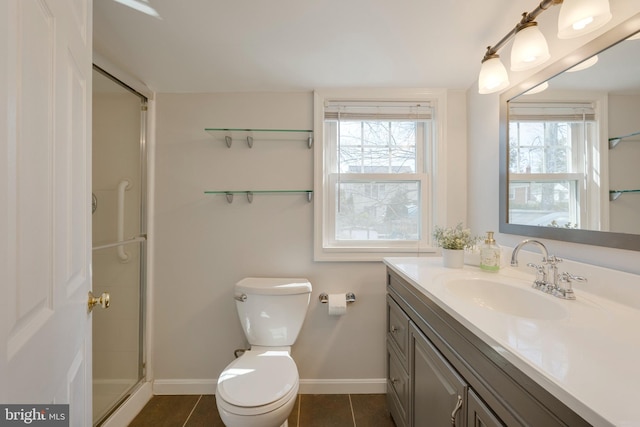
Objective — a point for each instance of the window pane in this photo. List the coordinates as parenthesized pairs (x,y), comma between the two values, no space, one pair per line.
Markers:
(544,147)
(377,147)
(387,210)
(547,204)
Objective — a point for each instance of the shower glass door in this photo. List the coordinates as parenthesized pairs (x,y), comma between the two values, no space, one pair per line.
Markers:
(118,241)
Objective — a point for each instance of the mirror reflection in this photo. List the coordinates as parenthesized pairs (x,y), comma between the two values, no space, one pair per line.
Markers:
(574,147)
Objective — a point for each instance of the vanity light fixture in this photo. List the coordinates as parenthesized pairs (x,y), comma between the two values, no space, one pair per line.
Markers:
(577,17)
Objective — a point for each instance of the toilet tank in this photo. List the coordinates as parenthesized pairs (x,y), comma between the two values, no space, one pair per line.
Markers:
(272,310)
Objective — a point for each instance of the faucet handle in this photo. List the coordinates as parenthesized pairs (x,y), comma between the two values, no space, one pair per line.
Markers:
(541,275)
(568,277)
(564,289)
(552,260)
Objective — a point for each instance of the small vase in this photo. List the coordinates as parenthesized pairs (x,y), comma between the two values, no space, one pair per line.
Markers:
(453,258)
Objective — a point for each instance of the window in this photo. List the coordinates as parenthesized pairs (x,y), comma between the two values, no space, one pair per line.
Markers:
(548,163)
(376,159)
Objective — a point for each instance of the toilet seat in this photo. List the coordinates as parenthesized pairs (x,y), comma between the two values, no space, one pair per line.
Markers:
(258,382)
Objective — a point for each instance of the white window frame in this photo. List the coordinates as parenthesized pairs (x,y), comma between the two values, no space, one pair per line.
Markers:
(325,246)
(584,179)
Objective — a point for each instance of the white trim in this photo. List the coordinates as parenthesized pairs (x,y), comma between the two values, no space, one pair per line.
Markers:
(344,386)
(185,386)
(438,98)
(130,407)
(307,386)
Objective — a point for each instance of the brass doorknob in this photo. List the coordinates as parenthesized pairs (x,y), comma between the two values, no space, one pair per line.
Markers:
(103,300)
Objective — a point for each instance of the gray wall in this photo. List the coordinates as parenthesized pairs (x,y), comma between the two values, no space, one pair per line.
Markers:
(202,245)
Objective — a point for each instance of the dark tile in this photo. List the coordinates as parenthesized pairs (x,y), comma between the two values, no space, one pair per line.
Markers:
(295,412)
(325,410)
(370,410)
(206,413)
(165,411)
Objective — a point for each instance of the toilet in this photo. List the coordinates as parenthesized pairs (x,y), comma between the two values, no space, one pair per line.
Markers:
(259,388)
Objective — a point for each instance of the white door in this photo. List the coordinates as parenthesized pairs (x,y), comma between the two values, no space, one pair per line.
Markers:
(45,204)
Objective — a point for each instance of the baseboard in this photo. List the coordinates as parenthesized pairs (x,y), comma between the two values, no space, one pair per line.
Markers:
(307,386)
(343,386)
(130,407)
(186,386)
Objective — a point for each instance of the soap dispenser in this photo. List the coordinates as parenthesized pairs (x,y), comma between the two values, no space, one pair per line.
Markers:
(490,254)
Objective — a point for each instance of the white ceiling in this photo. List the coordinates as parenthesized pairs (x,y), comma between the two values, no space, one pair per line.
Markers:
(300,45)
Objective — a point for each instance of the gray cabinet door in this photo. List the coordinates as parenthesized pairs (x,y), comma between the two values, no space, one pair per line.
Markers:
(437,391)
(479,414)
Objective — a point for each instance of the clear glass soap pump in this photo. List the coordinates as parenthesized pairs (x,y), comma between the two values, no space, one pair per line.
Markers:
(490,254)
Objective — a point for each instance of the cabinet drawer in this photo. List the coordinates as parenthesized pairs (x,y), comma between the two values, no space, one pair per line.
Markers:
(398,328)
(397,386)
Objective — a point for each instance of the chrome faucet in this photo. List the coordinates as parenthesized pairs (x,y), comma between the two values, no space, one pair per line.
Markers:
(516,250)
(547,278)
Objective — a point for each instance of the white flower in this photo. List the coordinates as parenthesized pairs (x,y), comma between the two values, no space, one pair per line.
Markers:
(454,238)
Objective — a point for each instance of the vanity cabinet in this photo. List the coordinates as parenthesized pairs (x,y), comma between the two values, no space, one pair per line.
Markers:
(437,368)
(437,393)
(422,387)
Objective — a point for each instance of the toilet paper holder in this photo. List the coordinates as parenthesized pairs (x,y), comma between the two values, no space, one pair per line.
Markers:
(324,297)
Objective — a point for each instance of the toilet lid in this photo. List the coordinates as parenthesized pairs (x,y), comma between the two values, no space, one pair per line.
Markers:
(258,378)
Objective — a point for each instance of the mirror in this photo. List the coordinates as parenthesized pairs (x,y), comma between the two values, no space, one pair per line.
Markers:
(569,154)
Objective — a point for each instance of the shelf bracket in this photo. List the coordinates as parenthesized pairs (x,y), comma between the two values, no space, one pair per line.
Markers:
(613,195)
(250,141)
(249,196)
(310,141)
(229,197)
(228,140)
(613,142)
(309,196)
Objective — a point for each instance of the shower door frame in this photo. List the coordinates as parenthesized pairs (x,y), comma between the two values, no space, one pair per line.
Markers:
(142,279)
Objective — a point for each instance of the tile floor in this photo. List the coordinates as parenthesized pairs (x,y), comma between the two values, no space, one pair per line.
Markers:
(311,410)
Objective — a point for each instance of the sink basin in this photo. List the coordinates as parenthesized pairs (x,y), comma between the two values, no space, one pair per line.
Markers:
(507,299)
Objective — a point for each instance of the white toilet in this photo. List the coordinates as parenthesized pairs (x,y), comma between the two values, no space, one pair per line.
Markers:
(259,388)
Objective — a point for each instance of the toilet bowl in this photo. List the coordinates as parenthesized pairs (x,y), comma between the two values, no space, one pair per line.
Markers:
(259,388)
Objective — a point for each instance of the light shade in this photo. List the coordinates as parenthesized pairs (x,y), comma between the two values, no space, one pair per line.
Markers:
(578,17)
(493,76)
(584,64)
(529,48)
(541,87)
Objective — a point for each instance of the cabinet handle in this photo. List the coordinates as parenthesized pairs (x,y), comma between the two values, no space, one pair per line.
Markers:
(393,329)
(456,409)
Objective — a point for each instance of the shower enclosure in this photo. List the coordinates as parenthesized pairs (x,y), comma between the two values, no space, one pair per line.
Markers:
(119,240)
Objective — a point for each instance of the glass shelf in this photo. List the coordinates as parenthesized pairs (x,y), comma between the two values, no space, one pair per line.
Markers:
(616,139)
(614,194)
(228,135)
(249,193)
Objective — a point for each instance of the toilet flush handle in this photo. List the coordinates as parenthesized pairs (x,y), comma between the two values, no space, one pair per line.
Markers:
(241,297)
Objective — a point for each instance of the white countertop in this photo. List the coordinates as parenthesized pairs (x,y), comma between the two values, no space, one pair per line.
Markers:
(589,358)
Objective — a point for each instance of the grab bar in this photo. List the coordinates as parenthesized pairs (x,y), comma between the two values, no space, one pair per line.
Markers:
(123,186)
(140,238)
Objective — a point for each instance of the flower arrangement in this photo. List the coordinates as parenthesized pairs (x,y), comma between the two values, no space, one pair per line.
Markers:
(454,238)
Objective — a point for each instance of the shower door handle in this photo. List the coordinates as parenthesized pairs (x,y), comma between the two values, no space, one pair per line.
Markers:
(103,300)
